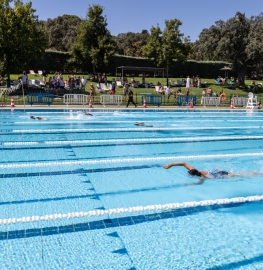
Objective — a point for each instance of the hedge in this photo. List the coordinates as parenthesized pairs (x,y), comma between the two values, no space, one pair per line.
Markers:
(58,61)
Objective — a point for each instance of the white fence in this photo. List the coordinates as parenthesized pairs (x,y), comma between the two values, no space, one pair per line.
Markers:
(210,101)
(240,101)
(75,99)
(111,100)
(215,101)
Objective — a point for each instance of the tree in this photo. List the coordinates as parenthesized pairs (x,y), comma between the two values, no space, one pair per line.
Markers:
(131,44)
(238,40)
(21,38)
(254,49)
(62,31)
(167,45)
(94,42)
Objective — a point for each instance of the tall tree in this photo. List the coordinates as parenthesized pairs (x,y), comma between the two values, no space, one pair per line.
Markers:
(62,31)
(94,42)
(131,44)
(21,38)
(167,45)
(254,49)
(238,40)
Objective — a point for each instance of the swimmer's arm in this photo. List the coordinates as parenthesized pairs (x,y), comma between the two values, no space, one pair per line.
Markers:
(200,182)
(187,166)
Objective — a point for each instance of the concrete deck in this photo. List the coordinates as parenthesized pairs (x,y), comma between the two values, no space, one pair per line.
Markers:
(122,107)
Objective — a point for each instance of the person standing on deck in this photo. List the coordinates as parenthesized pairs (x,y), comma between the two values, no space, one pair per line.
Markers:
(130,95)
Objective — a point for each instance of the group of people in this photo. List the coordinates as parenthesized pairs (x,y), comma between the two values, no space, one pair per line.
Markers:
(194,82)
(72,82)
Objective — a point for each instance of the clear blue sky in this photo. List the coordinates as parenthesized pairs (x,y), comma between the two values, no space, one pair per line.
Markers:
(135,15)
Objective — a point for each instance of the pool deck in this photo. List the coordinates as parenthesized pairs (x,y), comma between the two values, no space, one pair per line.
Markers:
(122,107)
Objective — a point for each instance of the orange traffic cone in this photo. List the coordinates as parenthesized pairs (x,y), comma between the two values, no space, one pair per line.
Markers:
(191,103)
(12,102)
(90,103)
(144,103)
(232,104)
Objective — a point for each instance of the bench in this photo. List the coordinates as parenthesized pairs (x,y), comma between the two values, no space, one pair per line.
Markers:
(111,100)
(40,98)
(79,99)
(185,100)
(152,100)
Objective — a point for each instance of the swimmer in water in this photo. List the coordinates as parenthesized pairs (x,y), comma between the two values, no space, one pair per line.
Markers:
(141,124)
(86,113)
(204,174)
(38,117)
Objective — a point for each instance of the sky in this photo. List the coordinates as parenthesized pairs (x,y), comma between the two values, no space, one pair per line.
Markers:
(135,15)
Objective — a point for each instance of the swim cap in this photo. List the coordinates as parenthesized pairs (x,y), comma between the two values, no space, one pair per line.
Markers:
(194,172)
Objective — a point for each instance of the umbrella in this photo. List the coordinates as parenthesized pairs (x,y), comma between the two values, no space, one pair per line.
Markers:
(225,68)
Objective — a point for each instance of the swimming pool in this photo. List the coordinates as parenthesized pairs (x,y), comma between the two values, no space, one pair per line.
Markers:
(75,163)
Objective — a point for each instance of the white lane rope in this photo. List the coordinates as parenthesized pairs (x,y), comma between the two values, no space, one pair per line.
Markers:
(116,112)
(134,209)
(188,139)
(125,129)
(124,160)
(168,121)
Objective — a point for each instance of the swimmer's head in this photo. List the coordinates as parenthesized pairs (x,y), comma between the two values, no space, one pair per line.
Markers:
(194,172)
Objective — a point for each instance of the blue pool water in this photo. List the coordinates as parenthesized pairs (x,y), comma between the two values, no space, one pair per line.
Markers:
(72,162)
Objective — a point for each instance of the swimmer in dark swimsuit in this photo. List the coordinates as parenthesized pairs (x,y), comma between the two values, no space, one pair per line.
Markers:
(88,114)
(141,124)
(203,174)
(38,117)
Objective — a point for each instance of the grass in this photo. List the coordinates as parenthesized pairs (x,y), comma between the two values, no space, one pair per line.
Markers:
(241,91)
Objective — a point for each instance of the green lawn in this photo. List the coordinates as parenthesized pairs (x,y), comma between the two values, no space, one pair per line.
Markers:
(241,91)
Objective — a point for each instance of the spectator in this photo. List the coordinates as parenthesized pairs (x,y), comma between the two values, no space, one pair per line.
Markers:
(174,93)
(187,82)
(130,95)
(113,87)
(77,82)
(72,81)
(198,82)
(92,92)
(204,93)
(59,75)
(168,91)
(179,91)
(61,83)
(187,92)
(44,76)
(83,82)
(125,89)
(53,82)
(209,92)
(105,80)
(50,82)
(24,79)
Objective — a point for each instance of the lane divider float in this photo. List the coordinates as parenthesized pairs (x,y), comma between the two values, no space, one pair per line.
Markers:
(134,209)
